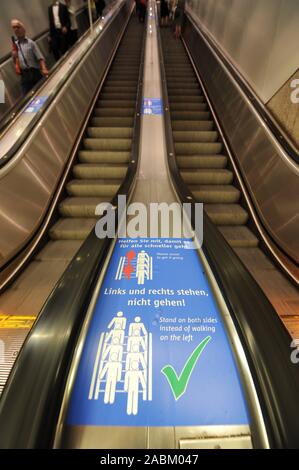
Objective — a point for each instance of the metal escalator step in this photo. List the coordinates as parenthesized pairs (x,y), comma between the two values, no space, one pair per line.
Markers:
(90,156)
(72,229)
(118,96)
(239,237)
(226,214)
(207,176)
(192,125)
(215,194)
(110,132)
(120,83)
(192,148)
(112,121)
(184,80)
(101,171)
(177,72)
(107,144)
(120,89)
(186,99)
(114,112)
(202,161)
(195,136)
(116,103)
(190,115)
(188,107)
(81,206)
(183,91)
(59,250)
(123,76)
(93,188)
(176,85)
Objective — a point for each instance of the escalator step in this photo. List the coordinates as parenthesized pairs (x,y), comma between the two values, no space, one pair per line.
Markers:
(120,83)
(239,237)
(93,188)
(184,106)
(104,171)
(195,136)
(102,103)
(124,96)
(81,206)
(177,91)
(89,156)
(110,132)
(72,229)
(114,112)
(107,144)
(226,214)
(186,99)
(192,148)
(191,115)
(192,125)
(202,161)
(215,194)
(112,121)
(207,176)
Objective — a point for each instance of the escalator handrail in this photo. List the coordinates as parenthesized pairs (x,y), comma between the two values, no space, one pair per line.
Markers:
(31,400)
(51,97)
(265,114)
(265,340)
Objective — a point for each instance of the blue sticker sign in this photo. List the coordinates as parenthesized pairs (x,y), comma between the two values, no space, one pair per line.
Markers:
(152,106)
(35,105)
(156,353)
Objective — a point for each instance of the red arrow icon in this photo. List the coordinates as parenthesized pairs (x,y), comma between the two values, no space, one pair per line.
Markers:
(128,270)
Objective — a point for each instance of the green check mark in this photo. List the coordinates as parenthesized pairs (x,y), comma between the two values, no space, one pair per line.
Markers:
(179,384)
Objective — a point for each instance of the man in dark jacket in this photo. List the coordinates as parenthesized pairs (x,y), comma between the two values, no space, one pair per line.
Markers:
(59,25)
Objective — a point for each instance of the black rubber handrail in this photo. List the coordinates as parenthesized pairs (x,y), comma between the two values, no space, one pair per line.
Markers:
(266,115)
(264,338)
(31,400)
(22,138)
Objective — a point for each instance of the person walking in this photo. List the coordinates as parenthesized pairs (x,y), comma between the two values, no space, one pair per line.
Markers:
(73,31)
(59,26)
(164,12)
(100,6)
(178,18)
(27,55)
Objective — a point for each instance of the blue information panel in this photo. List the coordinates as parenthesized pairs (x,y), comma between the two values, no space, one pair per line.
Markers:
(156,353)
(152,106)
(36,104)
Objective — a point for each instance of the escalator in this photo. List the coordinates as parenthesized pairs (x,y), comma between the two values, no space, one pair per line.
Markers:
(99,170)
(103,160)
(206,170)
(100,296)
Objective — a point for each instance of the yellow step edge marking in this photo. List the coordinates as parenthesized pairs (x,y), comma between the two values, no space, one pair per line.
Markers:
(18,322)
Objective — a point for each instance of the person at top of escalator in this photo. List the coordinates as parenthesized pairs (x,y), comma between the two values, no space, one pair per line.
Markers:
(142,10)
(100,6)
(164,12)
(73,31)
(59,26)
(179,17)
(27,56)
